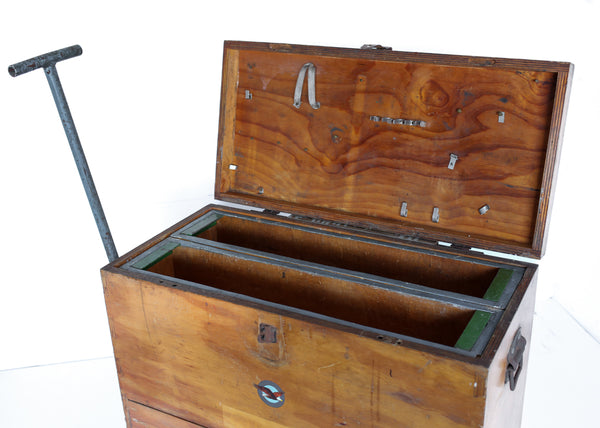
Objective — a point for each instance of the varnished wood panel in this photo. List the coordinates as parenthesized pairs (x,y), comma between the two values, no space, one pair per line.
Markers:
(140,416)
(375,307)
(438,272)
(335,162)
(561,103)
(192,356)
(445,252)
(504,407)
(198,358)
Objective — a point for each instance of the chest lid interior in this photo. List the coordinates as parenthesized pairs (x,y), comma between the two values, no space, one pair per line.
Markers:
(436,147)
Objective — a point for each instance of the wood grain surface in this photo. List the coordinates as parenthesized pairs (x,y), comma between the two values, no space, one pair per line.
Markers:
(376,307)
(198,358)
(435,271)
(187,357)
(504,407)
(189,354)
(337,162)
(140,416)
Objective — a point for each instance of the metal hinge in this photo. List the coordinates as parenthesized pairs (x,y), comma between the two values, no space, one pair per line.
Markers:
(371,230)
(376,47)
(459,247)
(270,212)
(387,234)
(466,248)
(332,223)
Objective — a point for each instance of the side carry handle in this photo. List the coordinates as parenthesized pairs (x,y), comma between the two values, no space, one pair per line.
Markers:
(515,360)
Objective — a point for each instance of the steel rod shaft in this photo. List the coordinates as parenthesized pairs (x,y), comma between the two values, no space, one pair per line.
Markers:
(80,160)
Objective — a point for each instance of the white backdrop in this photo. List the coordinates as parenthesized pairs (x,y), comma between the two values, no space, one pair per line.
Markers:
(145,98)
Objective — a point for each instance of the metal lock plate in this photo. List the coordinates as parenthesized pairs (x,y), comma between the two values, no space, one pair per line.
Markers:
(267,334)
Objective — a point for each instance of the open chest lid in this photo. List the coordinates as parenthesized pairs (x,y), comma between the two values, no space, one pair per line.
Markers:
(434,147)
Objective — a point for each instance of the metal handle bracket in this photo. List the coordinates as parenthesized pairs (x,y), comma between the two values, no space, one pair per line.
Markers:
(515,360)
(310,67)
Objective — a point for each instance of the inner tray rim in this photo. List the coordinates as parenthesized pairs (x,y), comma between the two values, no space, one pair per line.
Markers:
(419,290)
(303,314)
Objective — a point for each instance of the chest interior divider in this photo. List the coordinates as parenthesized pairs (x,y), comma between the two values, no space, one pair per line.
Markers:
(487,283)
(404,313)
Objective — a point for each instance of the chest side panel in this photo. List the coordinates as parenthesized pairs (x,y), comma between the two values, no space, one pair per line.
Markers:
(504,407)
(201,360)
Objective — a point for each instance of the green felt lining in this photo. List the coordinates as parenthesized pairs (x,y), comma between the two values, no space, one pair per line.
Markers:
(155,256)
(196,232)
(496,288)
(205,228)
(479,320)
(473,330)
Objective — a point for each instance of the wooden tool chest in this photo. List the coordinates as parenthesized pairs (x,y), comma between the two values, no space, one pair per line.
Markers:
(352,289)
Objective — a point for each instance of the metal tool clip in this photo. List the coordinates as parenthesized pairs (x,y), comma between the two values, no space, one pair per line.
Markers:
(453,159)
(392,121)
(311,86)
(435,217)
(404,209)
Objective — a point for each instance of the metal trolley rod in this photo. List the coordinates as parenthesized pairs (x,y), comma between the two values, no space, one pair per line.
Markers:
(48,63)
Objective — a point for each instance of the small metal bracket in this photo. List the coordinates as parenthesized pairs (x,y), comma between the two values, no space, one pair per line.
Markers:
(267,334)
(453,159)
(248,95)
(460,247)
(404,210)
(515,360)
(310,67)
(270,212)
(500,116)
(391,121)
(435,217)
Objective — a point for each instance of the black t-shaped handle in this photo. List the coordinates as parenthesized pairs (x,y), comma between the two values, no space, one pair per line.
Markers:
(43,61)
(48,63)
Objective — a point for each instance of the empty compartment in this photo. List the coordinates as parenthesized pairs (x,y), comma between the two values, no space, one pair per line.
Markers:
(376,307)
(422,268)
